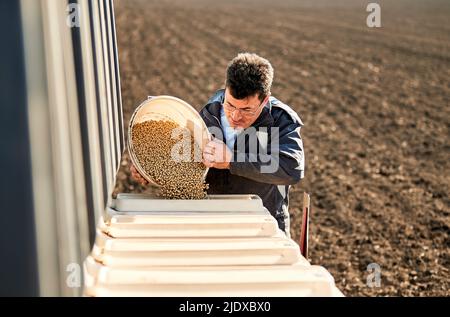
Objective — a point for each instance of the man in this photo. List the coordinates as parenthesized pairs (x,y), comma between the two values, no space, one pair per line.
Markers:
(257,147)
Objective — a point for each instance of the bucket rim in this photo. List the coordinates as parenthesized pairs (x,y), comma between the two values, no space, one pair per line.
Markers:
(133,157)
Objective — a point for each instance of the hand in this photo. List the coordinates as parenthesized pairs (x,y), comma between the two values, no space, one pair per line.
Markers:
(217,154)
(138,177)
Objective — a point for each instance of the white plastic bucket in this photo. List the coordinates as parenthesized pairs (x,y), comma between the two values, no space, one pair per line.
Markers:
(170,109)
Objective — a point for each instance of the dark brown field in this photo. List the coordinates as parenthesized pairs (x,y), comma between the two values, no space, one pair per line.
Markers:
(376,108)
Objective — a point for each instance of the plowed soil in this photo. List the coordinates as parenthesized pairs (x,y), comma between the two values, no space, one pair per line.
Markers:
(375,103)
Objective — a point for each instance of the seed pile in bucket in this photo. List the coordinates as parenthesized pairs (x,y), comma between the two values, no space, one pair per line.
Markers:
(153,144)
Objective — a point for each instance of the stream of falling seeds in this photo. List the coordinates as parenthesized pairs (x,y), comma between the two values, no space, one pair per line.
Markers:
(152,143)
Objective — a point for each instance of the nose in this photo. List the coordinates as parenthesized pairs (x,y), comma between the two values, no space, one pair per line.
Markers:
(236,115)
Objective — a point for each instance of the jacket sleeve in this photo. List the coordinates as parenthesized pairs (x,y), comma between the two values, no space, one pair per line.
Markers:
(286,160)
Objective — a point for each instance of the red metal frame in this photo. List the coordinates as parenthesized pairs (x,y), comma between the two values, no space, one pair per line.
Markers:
(305,226)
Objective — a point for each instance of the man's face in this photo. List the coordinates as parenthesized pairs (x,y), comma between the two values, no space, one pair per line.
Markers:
(241,113)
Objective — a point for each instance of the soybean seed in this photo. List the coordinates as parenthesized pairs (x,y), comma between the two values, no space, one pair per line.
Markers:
(180,176)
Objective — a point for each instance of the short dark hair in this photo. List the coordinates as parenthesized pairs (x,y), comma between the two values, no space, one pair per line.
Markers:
(249,74)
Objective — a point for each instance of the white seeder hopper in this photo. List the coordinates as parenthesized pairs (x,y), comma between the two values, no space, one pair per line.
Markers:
(225,245)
